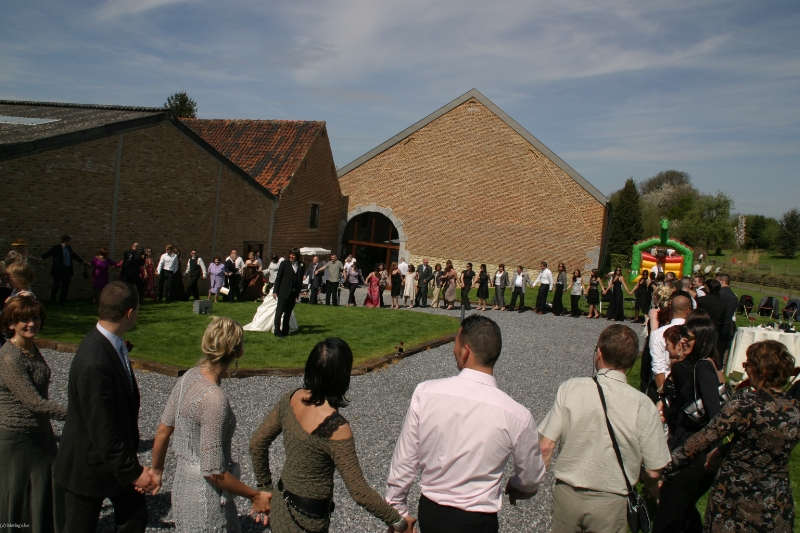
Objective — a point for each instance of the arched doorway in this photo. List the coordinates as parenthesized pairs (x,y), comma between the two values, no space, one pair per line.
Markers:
(372,238)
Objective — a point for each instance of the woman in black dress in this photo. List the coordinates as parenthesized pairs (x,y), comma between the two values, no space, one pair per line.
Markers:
(397,285)
(640,293)
(483,288)
(593,294)
(616,308)
(752,490)
(558,295)
(465,282)
(693,375)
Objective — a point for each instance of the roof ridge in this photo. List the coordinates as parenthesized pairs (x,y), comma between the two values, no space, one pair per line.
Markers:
(84,106)
(255,120)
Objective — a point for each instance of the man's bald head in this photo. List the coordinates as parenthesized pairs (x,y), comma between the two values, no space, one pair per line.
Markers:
(681,305)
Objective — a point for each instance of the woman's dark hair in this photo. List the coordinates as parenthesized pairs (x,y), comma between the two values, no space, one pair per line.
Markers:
(327,373)
(769,361)
(595,274)
(665,314)
(673,334)
(705,339)
(217,257)
(411,268)
(698,313)
(274,258)
(483,266)
(653,276)
(576,277)
(20,309)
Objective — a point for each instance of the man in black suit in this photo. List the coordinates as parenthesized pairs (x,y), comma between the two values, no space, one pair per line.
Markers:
(728,331)
(425,276)
(288,282)
(62,271)
(132,262)
(314,280)
(97,457)
(716,308)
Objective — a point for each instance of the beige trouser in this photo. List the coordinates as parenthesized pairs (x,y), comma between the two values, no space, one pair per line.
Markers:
(588,511)
(435,301)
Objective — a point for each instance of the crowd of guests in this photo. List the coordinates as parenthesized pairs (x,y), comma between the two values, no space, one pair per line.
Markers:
(458,434)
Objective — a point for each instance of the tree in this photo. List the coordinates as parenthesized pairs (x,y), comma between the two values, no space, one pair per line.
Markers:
(789,233)
(676,178)
(181,105)
(626,220)
(669,194)
(708,224)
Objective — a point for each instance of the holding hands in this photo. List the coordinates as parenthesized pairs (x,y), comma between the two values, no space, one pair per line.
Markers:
(145,483)
(261,506)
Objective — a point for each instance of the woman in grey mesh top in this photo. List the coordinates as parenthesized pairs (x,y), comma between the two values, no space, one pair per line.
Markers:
(198,412)
(317,440)
(27,444)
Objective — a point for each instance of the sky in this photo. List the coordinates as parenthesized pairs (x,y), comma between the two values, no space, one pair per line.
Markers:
(617,89)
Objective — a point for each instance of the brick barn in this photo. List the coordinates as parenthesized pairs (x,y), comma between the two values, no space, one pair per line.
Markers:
(112,175)
(292,159)
(468,183)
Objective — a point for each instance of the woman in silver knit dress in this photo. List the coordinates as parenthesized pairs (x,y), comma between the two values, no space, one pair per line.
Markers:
(199,414)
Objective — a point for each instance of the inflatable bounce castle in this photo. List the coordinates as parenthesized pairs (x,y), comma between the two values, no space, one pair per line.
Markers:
(679,261)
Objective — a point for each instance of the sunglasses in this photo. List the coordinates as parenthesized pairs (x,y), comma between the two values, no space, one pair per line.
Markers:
(689,338)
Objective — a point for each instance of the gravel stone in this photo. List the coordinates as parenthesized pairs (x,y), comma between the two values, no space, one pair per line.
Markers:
(539,353)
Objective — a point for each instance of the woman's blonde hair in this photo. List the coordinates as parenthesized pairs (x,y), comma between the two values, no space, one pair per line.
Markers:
(222,342)
(23,274)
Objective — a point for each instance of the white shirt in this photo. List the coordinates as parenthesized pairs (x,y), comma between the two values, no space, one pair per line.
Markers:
(519,280)
(545,277)
(658,348)
(403,268)
(657,269)
(200,263)
(458,433)
(238,264)
(347,264)
(700,293)
(168,262)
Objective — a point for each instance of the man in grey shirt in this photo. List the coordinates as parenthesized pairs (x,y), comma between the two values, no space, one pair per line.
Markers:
(590,492)
(334,267)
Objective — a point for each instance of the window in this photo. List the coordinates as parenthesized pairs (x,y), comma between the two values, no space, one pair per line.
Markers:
(313,221)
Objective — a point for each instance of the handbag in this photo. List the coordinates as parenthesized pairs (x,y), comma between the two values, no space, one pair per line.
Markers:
(695,411)
(638,517)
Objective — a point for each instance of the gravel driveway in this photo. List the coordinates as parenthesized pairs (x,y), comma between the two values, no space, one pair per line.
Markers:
(539,352)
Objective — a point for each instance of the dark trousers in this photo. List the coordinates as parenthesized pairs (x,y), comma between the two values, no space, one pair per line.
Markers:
(166,278)
(517,292)
(541,298)
(646,370)
(422,295)
(352,299)
(500,297)
(283,311)
(193,291)
(558,301)
(574,301)
(234,288)
(332,292)
(313,293)
(465,298)
(435,518)
(61,283)
(677,507)
(83,512)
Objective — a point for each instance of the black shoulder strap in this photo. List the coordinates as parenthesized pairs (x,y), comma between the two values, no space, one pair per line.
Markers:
(613,438)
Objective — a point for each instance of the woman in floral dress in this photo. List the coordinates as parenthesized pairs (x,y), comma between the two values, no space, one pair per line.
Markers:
(149,275)
(752,490)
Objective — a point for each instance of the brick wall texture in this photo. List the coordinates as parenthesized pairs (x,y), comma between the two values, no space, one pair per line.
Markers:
(467,187)
(167,194)
(314,182)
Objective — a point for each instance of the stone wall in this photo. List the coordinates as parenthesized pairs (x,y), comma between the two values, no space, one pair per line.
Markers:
(167,193)
(467,187)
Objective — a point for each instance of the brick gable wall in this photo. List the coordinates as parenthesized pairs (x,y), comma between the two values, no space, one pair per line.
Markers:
(314,181)
(467,187)
(167,194)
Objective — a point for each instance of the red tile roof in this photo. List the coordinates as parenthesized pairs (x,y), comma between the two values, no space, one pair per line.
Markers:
(269,150)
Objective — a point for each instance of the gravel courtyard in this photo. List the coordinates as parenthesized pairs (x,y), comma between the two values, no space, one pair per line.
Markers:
(539,352)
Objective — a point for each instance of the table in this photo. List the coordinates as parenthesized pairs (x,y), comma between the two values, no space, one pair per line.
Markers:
(747,336)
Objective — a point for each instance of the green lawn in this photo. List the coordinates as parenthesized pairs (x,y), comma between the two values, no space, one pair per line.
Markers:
(756,262)
(794,462)
(170,332)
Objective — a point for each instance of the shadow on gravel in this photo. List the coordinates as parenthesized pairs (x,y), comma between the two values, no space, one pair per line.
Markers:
(145,445)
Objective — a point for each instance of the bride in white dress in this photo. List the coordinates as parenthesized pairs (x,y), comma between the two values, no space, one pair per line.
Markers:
(265,316)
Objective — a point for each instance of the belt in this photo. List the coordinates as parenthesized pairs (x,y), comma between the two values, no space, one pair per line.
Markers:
(312,507)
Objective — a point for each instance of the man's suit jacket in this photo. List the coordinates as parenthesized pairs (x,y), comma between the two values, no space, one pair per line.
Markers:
(97,456)
(57,253)
(132,262)
(526,280)
(731,302)
(287,281)
(425,275)
(315,280)
(716,309)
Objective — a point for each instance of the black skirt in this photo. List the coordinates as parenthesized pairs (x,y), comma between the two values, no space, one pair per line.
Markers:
(593,297)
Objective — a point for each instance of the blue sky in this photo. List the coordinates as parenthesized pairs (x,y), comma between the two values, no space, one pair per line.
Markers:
(617,89)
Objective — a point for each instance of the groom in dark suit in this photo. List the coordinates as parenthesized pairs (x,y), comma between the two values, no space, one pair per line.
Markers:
(61,271)
(288,282)
(425,276)
(97,457)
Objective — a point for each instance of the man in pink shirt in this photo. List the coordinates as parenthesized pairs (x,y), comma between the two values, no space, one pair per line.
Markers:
(458,434)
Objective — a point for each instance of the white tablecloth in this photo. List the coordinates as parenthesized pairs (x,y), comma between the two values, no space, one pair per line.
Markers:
(747,336)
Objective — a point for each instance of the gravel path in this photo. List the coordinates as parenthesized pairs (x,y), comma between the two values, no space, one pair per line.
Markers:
(539,352)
